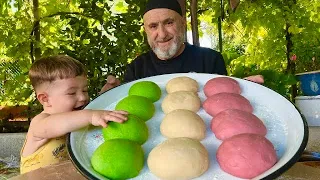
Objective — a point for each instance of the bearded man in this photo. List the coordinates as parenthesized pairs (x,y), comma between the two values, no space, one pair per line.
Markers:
(165,25)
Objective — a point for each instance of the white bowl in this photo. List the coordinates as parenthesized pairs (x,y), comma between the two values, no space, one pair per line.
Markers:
(309,106)
(287,130)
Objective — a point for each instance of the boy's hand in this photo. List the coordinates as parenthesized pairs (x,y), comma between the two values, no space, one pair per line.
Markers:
(101,117)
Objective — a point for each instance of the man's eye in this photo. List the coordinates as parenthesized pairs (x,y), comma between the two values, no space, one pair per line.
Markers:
(72,93)
(153,26)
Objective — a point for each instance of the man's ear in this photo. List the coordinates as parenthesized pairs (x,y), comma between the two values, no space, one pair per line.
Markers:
(184,20)
(43,98)
(144,27)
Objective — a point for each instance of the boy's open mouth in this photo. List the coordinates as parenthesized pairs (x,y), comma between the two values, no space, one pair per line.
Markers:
(78,108)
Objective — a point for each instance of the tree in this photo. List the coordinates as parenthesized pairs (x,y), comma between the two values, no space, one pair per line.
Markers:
(104,35)
(261,36)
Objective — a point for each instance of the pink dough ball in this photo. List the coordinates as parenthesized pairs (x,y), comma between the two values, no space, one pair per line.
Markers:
(232,122)
(223,101)
(246,155)
(221,84)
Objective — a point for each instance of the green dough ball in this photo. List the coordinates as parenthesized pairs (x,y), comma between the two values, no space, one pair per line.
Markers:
(133,129)
(146,89)
(118,159)
(138,106)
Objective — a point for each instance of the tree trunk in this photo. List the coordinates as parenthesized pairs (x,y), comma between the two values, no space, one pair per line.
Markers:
(291,68)
(184,14)
(194,22)
(234,4)
(220,19)
(220,33)
(36,29)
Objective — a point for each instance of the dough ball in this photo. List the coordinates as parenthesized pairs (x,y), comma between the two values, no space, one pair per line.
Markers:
(116,159)
(139,106)
(223,101)
(181,100)
(178,158)
(233,122)
(183,123)
(221,84)
(146,89)
(246,155)
(182,84)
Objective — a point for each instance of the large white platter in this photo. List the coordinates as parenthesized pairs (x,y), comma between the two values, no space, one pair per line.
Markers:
(287,130)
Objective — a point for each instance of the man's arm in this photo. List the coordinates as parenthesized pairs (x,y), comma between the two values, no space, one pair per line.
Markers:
(255,78)
(129,74)
(111,83)
(220,66)
(221,69)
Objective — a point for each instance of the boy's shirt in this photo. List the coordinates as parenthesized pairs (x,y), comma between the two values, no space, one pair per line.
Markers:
(54,151)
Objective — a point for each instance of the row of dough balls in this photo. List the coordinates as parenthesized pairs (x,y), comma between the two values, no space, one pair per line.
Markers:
(244,152)
(182,156)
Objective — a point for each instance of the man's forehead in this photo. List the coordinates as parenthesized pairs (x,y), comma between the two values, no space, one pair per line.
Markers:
(159,15)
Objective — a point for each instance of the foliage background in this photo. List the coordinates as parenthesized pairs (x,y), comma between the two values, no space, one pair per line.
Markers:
(260,37)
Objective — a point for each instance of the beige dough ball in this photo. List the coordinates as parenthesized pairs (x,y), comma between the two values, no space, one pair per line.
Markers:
(183,123)
(178,159)
(181,100)
(182,84)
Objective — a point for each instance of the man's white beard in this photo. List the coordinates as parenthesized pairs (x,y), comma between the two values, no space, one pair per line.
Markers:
(173,49)
(166,54)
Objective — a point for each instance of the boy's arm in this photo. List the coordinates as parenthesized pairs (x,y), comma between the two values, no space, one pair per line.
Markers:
(45,126)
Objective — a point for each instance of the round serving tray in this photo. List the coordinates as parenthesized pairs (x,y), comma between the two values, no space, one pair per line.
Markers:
(287,130)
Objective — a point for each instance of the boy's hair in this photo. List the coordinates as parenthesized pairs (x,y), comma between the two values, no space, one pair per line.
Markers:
(51,68)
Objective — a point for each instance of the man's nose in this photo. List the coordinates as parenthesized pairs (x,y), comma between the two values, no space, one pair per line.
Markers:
(162,32)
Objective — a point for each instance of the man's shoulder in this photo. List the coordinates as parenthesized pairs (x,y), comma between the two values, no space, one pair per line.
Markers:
(201,49)
(143,57)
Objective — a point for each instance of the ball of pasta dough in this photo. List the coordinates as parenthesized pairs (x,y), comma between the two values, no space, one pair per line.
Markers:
(221,84)
(183,123)
(232,122)
(182,84)
(178,159)
(246,155)
(223,101)
(181,100)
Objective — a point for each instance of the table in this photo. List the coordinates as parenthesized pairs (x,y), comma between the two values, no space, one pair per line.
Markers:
(301,170)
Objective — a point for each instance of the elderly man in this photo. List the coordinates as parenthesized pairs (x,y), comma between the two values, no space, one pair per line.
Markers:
(165,29)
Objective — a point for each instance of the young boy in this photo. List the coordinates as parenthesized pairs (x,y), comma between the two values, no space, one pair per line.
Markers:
(60,85)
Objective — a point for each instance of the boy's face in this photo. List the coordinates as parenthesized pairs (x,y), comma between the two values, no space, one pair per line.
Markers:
(67,94)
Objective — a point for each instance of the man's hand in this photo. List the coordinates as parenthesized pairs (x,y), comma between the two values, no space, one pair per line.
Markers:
(111,83)
(256,78)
